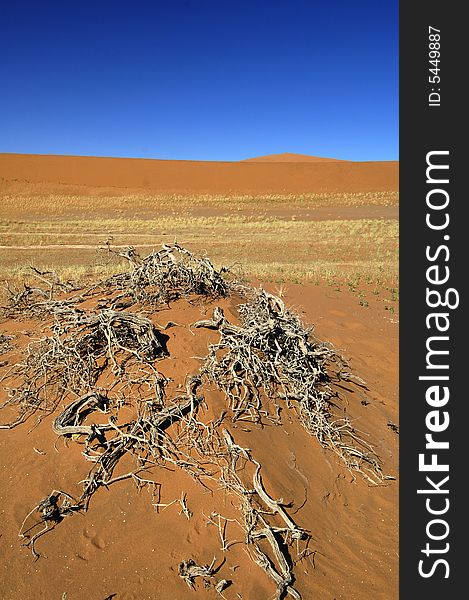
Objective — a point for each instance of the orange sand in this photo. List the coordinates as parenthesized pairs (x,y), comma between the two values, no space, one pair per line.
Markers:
(121,548)
(24,172)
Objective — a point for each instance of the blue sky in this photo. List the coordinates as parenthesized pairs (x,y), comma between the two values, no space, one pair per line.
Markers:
(200,79)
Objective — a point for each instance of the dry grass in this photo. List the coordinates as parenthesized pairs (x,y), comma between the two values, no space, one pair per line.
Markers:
(188,224)
(301,248)
(44,205)
(50,232)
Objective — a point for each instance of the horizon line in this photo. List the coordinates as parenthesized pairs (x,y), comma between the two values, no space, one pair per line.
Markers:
(247,160)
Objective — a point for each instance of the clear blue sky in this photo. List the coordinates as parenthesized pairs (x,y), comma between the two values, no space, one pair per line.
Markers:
(200,79)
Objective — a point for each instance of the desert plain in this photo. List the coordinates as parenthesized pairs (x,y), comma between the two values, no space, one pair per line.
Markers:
(321,235)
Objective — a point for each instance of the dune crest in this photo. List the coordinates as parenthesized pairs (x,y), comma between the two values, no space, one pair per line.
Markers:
(292,157)
(23,173)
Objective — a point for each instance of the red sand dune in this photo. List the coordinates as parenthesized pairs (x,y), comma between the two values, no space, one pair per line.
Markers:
(24,172)
(290,157)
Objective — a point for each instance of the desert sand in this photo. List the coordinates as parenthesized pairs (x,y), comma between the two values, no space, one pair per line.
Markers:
(290,157)
(124,547)
(23,172)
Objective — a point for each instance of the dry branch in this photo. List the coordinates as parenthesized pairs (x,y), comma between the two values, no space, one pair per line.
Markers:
(97,361)
(272,357)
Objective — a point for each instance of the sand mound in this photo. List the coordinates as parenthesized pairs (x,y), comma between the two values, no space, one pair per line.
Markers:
(185,419)
(290,157)
(80,175)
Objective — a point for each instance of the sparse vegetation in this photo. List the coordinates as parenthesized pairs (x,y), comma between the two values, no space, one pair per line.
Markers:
(145,204)
(272,247)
